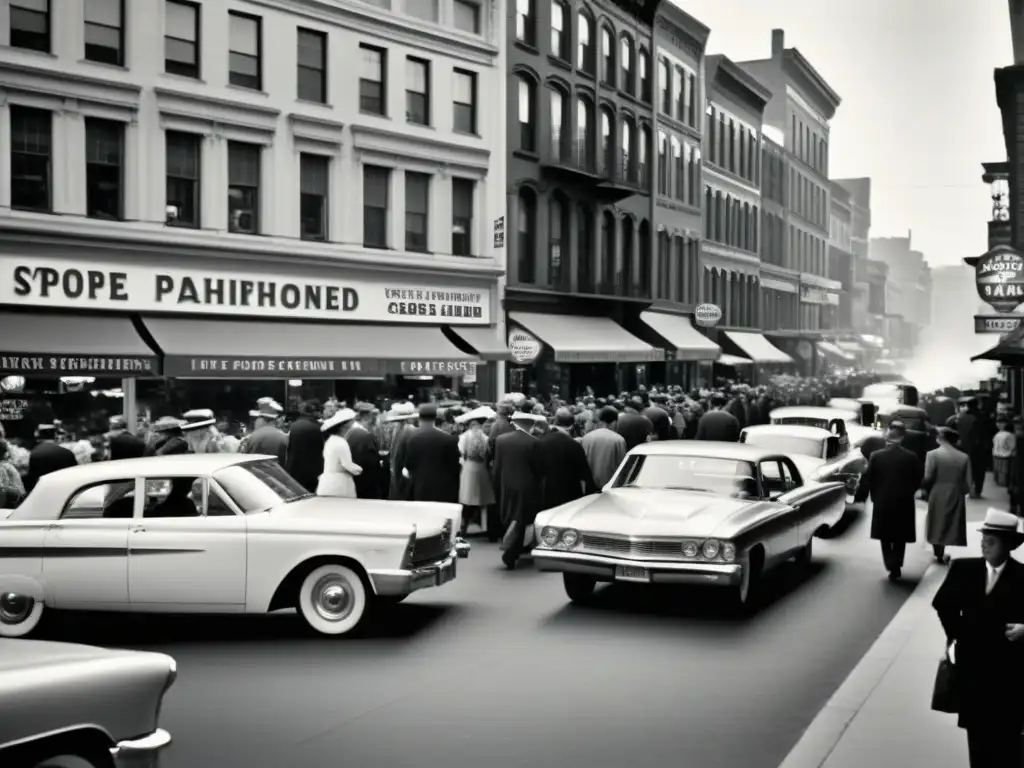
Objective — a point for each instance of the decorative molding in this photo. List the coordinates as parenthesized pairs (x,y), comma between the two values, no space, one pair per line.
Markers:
(728,76)
(800,69)
(316,129)
(400,145)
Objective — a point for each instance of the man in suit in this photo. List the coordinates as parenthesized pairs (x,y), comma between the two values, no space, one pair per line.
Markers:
(518,479)
(47,456)
(718,424)
(121,443)
(947,481)
(569,477)
(604,447)
(266,437)
(892,479)
(432,460)
(972,442)
(633,425)
(304,459)
(980,607)
(365,451)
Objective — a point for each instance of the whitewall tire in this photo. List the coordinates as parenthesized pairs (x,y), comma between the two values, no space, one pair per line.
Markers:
(19,614)
(332,599)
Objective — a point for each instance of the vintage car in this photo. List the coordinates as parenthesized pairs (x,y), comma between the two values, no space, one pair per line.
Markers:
(74,706)
(215,533)
(902,392)
(831,419)
(688,512)
(920,436)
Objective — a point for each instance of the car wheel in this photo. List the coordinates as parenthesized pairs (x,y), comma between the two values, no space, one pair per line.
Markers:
(745,593)
(74,761)
(806,554)
(332,599)
(578,588)
(19,614)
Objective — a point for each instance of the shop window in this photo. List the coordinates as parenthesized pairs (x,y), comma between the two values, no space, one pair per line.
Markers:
(30,24)
(526,22)
(183,163)
(376,183)
(559,37)
(373,67)
(467,16)
(31,158)
(417,91)
(243,188)
(245,69)
(462,216)
(104,31)
(312,71)
(181,38)
(417,210)
(585,42)
(314,173)
(464,118)
(104,169)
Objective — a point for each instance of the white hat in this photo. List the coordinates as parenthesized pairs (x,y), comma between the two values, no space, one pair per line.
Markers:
(267,408)
(197,419)
(401,412)
(483,413)
(536,418)
(1000,522)
(343,415)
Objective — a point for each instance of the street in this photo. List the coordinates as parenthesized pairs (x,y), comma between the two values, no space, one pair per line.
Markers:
(499,670)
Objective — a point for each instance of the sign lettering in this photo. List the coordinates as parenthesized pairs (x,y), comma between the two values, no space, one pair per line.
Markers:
(113,367)
(310,367)
(13,409)
(995,323)
(999,278)
(499,232)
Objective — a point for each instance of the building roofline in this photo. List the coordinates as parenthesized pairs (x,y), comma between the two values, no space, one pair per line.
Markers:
(687,24)
(827,96)
(758,94)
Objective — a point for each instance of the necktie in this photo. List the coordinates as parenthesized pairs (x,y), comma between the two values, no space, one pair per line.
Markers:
(993,574)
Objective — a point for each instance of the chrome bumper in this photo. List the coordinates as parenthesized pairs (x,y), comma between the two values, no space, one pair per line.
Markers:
(141,753)
(404,582)
(603,568)
(462,547)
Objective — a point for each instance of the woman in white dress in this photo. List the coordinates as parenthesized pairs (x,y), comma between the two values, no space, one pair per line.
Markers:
(340,471)
(475,490)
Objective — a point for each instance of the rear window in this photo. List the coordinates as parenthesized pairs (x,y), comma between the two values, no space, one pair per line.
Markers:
(258,485)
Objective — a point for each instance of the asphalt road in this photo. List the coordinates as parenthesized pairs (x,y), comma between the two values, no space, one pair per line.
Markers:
(497,670)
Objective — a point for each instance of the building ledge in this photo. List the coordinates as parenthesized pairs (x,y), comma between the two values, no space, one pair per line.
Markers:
(398,143)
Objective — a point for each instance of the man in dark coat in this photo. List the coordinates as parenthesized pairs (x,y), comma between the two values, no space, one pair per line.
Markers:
(47,456)
(718,424)
(166,438)
(518,480)
(362,442)
(570,476)
(432,460)
(266,437)
(123,444)
(736,407)
(661,421)
(892,479)
(980,607)
(305,457)
(634,427)
(972,442)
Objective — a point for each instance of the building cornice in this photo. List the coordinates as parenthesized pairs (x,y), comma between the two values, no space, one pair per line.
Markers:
(404,145)
(728,75)
(684,30)
(822,92)
(631,11)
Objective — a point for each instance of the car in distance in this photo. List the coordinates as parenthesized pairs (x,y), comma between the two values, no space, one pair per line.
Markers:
(215,533)
(816,416)
(688,512)
(74,706)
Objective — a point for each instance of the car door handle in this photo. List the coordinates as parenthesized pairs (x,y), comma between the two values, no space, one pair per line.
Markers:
(54,527)
(138,529)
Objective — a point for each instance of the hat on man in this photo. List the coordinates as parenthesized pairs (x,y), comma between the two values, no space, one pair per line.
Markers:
(362,408)
(533,418)
(1002,524)
(46,430)
(342,416)
(483,413)
(401,412)
(428,411)
(166,424)
(267,408)
(197,419)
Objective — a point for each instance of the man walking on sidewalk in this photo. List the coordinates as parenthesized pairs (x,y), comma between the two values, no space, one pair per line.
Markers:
(947,481)
(892,479)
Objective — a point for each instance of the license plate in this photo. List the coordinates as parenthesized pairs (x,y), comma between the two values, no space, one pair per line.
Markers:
(632,573)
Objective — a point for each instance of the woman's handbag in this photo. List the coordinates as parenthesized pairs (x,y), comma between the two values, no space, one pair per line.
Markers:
(944,695)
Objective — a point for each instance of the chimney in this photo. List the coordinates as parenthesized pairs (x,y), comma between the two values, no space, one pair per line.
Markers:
(778,43)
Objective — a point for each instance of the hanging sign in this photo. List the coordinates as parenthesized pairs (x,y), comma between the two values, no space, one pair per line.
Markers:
(499,232)
(707,315)
(995,323)
(999,278)
(525,347)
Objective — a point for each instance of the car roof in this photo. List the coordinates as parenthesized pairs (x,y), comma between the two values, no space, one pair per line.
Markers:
(892,408)
(795,430)
(192,464)
(705,449)
(813,412)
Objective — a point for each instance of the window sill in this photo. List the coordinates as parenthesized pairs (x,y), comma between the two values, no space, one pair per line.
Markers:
(558,61)
(528,47)
(245,89)
(104,65)
(525,154)
(427,126)
(585,73)
(184,78)
(24,209)
(381,115)
(181,225)
(467,133)
(322,104)
(376,247)
(32,51)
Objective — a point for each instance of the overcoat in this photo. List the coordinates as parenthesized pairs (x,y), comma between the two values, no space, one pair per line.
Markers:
(365,453)
(432,458)
(569,477)
(718,425)
(947,479)
(518,477)
(892,479)
(304,459)
(46,458)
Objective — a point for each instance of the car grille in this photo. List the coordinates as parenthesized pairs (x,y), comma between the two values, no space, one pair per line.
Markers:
(431,548)
(640,548)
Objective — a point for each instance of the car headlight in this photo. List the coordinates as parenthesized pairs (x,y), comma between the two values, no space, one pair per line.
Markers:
(570,538)
(690,549)
(549,536)
(728,551)
(710,549)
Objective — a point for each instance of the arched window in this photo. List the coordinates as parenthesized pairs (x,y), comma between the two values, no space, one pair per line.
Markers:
(584,133)
(663,174)
(607,56)
(646,145)
(607,143)
(643,276)
(559,135)
(607,252)
(625,280)
(679,169)
(643,67)
(626,62)
(584,248)
(558,229)
(585,42)
(526,240)
(625,148)
(527,114)
(559,34)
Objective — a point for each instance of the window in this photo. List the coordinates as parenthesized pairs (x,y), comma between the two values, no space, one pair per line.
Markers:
(373,65)
(462,216)
(557,214)
(375,206)
(243,188)
(104,31)
(465,102)
(417,209)
(417,91)
(244,57)
(183,156)
(607,56)
(663,174)
(585,43)
(181,38)
(31,153)
(312,66)
(527,109)
(626,146)
(690,100)
(467,16)
(30,24)
(113,500)
(644,66)
(676,107)
(626,53)
(559,39)
(104,172)
(584,132)
(525,22)
(422,9)
(314,179)
(679,169)
(665,77)
(173,497)
(693,174)
(526,228)
(607,145)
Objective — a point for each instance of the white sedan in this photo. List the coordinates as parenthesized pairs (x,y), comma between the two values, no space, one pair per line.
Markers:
(214,533)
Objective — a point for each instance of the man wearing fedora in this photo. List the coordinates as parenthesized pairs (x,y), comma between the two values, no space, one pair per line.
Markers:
(365,451)
(947,481)
(166,438)
(518,480)
(122,444)
(432,460)
(982,612)
(304,459)
(400,424)
(47,456)
(266,437)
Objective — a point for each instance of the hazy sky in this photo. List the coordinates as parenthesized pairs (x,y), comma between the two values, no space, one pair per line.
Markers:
(919,112)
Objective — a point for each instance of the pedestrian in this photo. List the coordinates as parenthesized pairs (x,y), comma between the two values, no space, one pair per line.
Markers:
(47,456)
(266,437)
(200,429)
(718,424)
(972,442)
(567,476)
(633,425)
(1003,445)
(519,477)
(979,607)
(122,444)
(947,481)
(340,471)
(365,451)
(432,460)
(475,490)
(892,479)
(12,489)
(604,447)
(400,420)
(304,459)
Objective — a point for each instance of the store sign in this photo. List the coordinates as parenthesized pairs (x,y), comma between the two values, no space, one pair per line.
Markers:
(525,347)
(707,315)
(437,367)
(995,323)
(58,283)
(111,367)
(309,367)
(13,409)
(999,278)
(499,232)
(810,294)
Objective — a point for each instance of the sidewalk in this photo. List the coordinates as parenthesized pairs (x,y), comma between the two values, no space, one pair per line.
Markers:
(881,715)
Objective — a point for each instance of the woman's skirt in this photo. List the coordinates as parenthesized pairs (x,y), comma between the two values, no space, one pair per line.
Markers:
(475,488)
(1001,470)
(337,484)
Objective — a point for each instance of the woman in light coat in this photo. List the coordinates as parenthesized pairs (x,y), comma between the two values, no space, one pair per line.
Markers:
(475,490)
(340,471)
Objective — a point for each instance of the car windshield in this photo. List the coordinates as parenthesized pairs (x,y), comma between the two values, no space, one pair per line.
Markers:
(788,444)
(802,421)
(726,477)
(257,486)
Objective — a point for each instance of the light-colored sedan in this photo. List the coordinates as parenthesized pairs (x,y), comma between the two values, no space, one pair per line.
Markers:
(814,416)
(215,533)
(74,706)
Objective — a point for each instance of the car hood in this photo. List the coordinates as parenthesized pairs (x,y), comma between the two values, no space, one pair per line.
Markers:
(807,465)
(368,515)
(39,654)
(655,512)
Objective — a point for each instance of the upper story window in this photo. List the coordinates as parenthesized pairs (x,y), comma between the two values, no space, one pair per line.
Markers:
(373,65)
(626,61)
(559,38)
(376,192)
(585,42)
(245,70)
(462,216)
(104,31)
(664,86)
(417,211)
(690,100)
(312,66)
(527,114)
(183,163)
(104,171)
(526,22)
(244,169)
(422,9)
(607,56)
(644,72)
(30,24)
(417,91)
(677,94)
(464,102)
(31,158)
(467,16)
(314,175)
(181,38)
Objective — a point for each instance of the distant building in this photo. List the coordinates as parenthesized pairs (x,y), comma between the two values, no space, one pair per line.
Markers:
(908,303)
(859,199)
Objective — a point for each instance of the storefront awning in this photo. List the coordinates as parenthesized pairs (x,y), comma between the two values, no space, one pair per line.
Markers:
(758,348)
(580,339)
(733,360)
(485,340)
(832,350)
(82,345)
(226,349)
(687,341)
